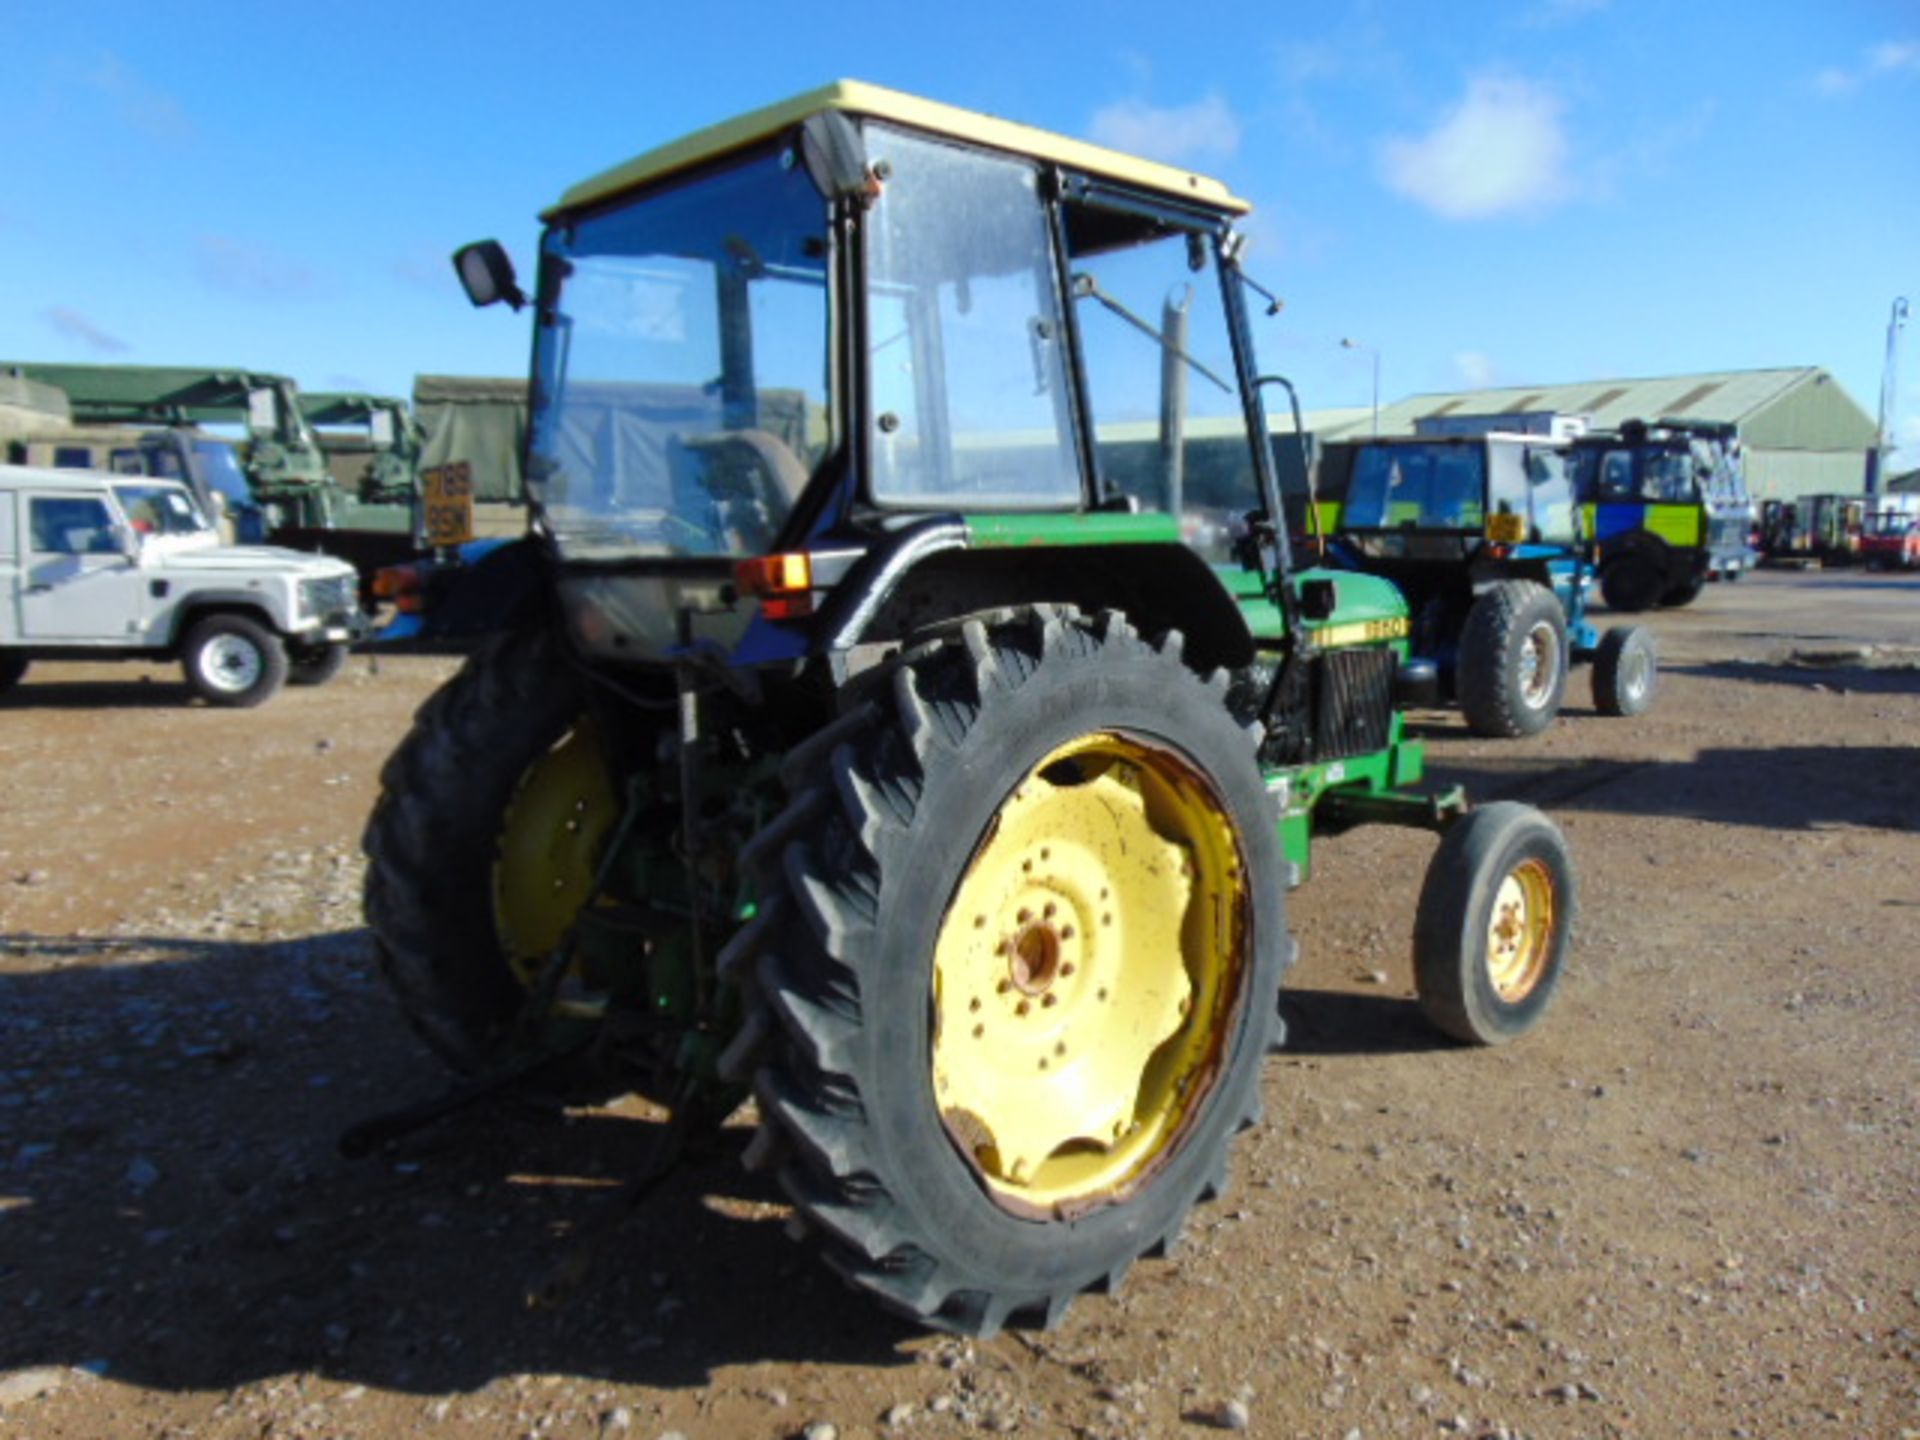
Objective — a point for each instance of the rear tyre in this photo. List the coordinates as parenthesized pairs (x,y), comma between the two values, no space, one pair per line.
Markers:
(1495,913)
(316,665)
(1625,671)
(13,669)
(1513,660)
(233,661)
(472,876)
(1631,584)
(1019,961)
(1685,593)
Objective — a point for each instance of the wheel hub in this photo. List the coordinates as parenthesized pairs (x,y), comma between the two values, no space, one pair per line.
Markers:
(1520,930)
(552,836)
(230,664)
(1539,665)
(1096,919)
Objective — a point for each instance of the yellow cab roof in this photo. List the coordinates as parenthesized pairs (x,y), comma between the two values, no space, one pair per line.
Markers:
(857,98)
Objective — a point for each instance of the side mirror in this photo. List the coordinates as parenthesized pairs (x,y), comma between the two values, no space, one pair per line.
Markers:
(1318,599)
(127,541)
(486,274)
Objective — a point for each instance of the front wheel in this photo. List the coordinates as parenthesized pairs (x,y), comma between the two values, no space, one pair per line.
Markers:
(1513,660)
(233,661)
(316,665)
(1495,913)
(1016,970)
(1625,670)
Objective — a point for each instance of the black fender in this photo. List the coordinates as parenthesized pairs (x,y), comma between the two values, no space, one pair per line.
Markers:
(502,589)
(931,576)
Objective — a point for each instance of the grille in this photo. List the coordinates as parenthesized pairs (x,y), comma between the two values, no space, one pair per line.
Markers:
(329,596)
(1355,701)
(1341,706)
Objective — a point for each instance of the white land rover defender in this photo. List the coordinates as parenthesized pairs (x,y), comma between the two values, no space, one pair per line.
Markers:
(96,567)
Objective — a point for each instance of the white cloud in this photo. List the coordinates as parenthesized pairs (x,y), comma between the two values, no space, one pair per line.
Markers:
(1561,12)
(142,106)
(1172,133)
(1475,368)
(244,268)
(1889,57)
(75,326)
(1502,148)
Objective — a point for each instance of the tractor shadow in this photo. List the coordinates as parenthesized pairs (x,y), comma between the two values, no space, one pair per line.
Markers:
(1839,678)
(1793,787)
(1339,1022)
(174,1212)
(147,693)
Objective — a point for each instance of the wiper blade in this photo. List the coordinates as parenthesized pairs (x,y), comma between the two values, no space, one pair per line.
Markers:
(1085,287)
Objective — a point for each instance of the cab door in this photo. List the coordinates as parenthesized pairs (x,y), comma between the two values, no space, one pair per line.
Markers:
(76,587)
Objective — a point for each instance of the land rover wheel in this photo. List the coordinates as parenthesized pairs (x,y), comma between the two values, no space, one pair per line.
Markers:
(315,664)
(484,844)
(233,660)
(1495,912)
(1018,965)
(13,669)
(1626,670)
(1513,660)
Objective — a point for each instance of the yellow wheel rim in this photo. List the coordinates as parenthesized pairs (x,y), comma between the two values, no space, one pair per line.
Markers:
(1520,931)
(551,840)
(1088,975)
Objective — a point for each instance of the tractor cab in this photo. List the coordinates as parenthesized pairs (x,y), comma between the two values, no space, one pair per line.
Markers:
(861,330)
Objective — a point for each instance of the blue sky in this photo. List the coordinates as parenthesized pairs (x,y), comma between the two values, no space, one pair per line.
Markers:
(1512,192)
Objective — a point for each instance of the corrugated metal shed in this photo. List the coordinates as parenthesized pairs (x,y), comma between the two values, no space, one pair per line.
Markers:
(1824,416)
(1802,432)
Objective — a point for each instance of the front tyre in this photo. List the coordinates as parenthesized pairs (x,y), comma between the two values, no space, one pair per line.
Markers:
(1495,913)
(315,664)
(1626,670)
(233,661)
(1017,967)
(1513,660)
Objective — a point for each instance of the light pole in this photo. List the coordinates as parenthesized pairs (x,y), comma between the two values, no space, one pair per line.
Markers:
(1352,344)
(1889,381)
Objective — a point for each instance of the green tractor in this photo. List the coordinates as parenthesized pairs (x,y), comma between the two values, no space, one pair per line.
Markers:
(881,728)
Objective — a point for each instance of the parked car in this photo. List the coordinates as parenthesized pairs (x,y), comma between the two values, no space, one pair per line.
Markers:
(96,566)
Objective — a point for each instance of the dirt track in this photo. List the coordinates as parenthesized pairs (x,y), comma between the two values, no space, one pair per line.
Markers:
(1689,1206)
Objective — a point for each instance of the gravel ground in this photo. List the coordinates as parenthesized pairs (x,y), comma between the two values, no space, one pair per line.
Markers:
(1688,1206)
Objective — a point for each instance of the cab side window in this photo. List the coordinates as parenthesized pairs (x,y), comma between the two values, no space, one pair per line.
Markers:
(1170,431)
(70,525)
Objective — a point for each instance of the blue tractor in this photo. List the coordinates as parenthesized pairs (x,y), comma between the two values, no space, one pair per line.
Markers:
(1483,536)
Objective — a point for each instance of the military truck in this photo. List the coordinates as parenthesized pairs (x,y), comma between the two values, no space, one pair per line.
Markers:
(372,447)
(37,428)
(1480,531)
(1667,507)
(880,729)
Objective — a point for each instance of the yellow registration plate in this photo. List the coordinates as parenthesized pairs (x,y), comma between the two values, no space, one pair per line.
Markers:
(446,491)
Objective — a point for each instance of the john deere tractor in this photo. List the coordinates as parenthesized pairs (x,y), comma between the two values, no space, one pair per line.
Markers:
(887,725)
